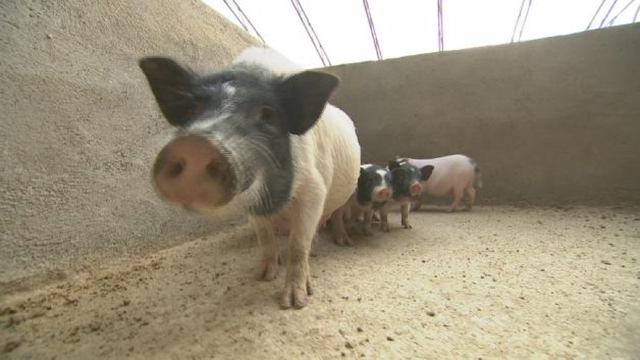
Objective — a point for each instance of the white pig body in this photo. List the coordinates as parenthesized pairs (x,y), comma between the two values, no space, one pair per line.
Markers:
(316,161)
(453,174)
(326,162)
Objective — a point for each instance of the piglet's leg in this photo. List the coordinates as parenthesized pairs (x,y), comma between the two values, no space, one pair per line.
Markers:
(384,221)
(340,235)
(307,210)
(366,225)
(404,210)
(347,216)
(269,245)
(417,204)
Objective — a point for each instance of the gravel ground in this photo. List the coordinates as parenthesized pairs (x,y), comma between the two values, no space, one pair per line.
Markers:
(495,283)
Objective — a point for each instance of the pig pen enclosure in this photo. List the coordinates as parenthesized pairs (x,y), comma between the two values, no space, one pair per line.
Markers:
(94,265)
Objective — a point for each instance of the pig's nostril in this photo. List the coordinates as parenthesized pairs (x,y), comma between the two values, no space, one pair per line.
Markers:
(175,169)
(212,169)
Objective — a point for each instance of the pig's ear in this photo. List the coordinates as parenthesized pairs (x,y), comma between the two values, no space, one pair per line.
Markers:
(174,89)
(397,174)
(426,172)
(393,164)
(303,98)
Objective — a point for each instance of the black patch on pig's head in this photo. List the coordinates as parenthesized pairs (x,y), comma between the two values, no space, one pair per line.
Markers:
(303,97)
(403,176)
(295,103)
(174,88)
(368,180)
(250,112)
(425,172)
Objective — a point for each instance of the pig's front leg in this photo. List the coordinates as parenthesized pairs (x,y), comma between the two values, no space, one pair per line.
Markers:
(417,204)
(366,224)
(313,250)
(307,211)
(384,221)
(269,246)
(404,210)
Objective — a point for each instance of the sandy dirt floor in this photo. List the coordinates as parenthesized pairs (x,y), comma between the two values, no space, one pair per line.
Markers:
(495,283)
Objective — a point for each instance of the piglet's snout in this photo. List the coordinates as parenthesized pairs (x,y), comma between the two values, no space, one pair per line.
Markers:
(415,189)
(194,173)
(384,193)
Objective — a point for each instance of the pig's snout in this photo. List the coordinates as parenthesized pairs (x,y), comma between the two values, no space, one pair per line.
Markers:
(381,193)
(384,193)
(193,172)
(415,189)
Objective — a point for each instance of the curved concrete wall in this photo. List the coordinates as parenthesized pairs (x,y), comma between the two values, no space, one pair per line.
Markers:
(79,128)
(550,121)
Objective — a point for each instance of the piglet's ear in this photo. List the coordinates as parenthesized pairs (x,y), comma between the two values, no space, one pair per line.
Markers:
(174,89)
(393,164)
(426,172)
(398,174)
(304,97)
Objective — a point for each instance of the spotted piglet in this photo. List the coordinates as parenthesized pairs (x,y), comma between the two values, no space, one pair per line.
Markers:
(453,174)
(406,181)
(373,192)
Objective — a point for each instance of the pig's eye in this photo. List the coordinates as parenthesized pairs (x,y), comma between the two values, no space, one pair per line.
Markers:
(267,112)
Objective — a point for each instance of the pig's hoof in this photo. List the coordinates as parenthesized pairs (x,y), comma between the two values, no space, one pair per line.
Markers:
(406,225)
(295,295)
(468,208)
(367,231)
(343,241)
(268,270)
(452,210)
(313,252)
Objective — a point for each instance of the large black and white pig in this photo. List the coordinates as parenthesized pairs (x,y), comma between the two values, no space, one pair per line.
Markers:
(406,182)
(258,137)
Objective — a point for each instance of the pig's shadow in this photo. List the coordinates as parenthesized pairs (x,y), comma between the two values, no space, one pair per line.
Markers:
(439,210)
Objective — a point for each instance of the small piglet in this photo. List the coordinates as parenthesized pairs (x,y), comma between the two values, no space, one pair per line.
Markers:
(406,181)
(258,137)
(374,190)
(453,174)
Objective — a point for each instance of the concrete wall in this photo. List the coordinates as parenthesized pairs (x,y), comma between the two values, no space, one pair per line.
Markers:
(550,121)
(79,128)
